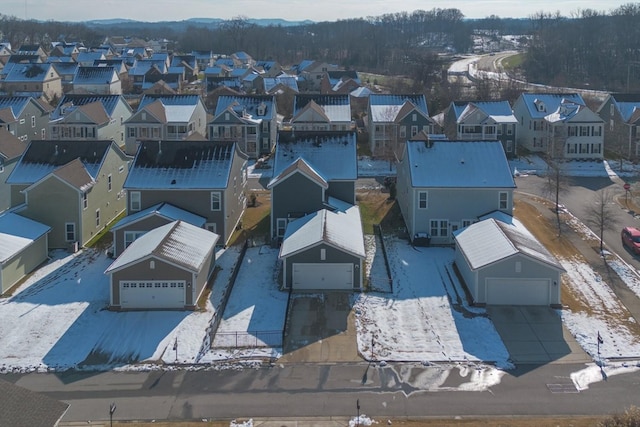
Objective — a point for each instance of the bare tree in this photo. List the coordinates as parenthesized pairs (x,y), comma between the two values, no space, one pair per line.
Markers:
(557,180)
(600,213)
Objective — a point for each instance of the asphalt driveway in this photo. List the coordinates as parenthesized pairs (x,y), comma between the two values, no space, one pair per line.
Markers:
(535,334)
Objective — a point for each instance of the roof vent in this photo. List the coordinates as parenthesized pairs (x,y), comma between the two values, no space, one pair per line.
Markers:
(462,161)
(173,182)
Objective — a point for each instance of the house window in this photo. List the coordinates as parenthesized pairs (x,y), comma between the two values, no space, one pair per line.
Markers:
(518,267)
(70,231)
(439,227)
(466,222)
(97,218)
(509,146)
(121,169)
(22,121)
(503,200)
(611,109)
(414,130)
(33,121)
(131,236)
(132,132)
(281,226)
(109,182)
(414,117)
(85,201)
(423,199)
(403,131)
(152,266)
(216,204)
(509,130)
(211,226)
(323,254)
(134,201)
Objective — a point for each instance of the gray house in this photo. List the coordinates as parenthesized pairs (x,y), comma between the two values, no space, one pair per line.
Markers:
(324,250)
(503,264)
(23,247)
(309,168)
(129,228)
(206,178)
(24,116)
(621,115)
(167,268)
(443,186)
(11,148)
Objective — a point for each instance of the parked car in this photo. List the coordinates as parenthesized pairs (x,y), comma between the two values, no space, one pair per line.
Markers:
(631,239)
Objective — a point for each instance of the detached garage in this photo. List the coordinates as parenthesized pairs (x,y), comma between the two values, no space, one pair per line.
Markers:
(324,251)
(23,247)
(503,264)
(166,268)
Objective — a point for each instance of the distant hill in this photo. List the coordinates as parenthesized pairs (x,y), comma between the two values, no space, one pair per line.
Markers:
(198,21)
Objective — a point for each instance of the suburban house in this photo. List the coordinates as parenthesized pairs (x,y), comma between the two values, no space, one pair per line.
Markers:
(34,80)
(23,247)
(75,187)
(204,58)
(481,121)
(443,186)
(268,68)
(251,121)
(502,263)
(24,116)
(309,168)
(393,119)
(97,80)
(82,117)
(135,225)
(167,268)
(321,113)
(342,81)
(165,117)
(188,64)
(206,178)
(560,125)
(310,73)
(313,211)
(11,148)
(282,84)
(67,71)
(621,115)
(86,58)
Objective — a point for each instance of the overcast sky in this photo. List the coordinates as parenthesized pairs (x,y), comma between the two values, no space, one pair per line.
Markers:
(316,10)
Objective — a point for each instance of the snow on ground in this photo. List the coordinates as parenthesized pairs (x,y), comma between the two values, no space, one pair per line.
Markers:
(417,322)
(372,167)
(535,165)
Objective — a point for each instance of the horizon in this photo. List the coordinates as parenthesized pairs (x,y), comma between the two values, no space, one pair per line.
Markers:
(288,10)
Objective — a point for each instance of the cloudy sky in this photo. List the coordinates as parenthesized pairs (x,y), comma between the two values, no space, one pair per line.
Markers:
(317,10)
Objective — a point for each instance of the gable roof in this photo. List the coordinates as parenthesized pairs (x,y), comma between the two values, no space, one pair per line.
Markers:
(248,104)
(491,240)
(458,164)
(10,145)
(29,73)
(22,407)
(498,111)
(337,108)
(273,83)
(333,154)
(16,233)
(70,102)
(16,104)
(75,174)
(94,75)
(386,108)
(340,229)
(299,165)
(170,165)
(164,210)
(42,157)
(178,243)
(569,111)
(540,105)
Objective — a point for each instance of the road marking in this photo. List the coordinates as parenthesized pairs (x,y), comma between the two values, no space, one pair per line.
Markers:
(563,388)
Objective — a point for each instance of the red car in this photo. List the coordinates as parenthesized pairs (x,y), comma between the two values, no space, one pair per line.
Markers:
(631,239)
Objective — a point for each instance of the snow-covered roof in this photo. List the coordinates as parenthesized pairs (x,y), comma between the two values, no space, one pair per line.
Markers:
(94,75)
(489,241)
(332,154)
(165,210)
(16,233)
(385,108)
(177,243)
(173,100)
(458,164)
(337,108)
(182,165)
(42,157)
(248,104)
(28,73)
(498,111)
(70,102)
(340,229)
(540,105)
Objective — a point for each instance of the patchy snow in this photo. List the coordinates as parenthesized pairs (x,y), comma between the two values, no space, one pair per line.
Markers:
(373,167)
(535,165)
(361,420)
(595,373)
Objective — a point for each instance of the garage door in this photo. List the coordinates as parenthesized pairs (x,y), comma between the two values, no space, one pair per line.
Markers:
(518,291)
(322,276)
(152,294)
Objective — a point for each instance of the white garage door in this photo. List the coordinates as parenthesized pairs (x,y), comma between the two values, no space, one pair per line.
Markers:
(322,276)
(518,291)
(152,294)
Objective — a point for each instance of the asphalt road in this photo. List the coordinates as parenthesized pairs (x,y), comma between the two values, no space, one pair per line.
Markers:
(313,390)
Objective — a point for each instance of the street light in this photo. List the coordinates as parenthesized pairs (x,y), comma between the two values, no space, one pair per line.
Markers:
(112,409)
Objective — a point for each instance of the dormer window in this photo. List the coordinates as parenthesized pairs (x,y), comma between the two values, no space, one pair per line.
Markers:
(262,109)
(540,107)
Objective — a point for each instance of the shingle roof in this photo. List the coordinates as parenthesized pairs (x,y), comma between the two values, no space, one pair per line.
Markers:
(165,210)
(551,102)
(458,164)
(94,75)
(181,165)
(336,107)
(69,101)
(492,240)
(178,243)
(247,104)
(10,146)
(24,408)
(16,233)
(385,108)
